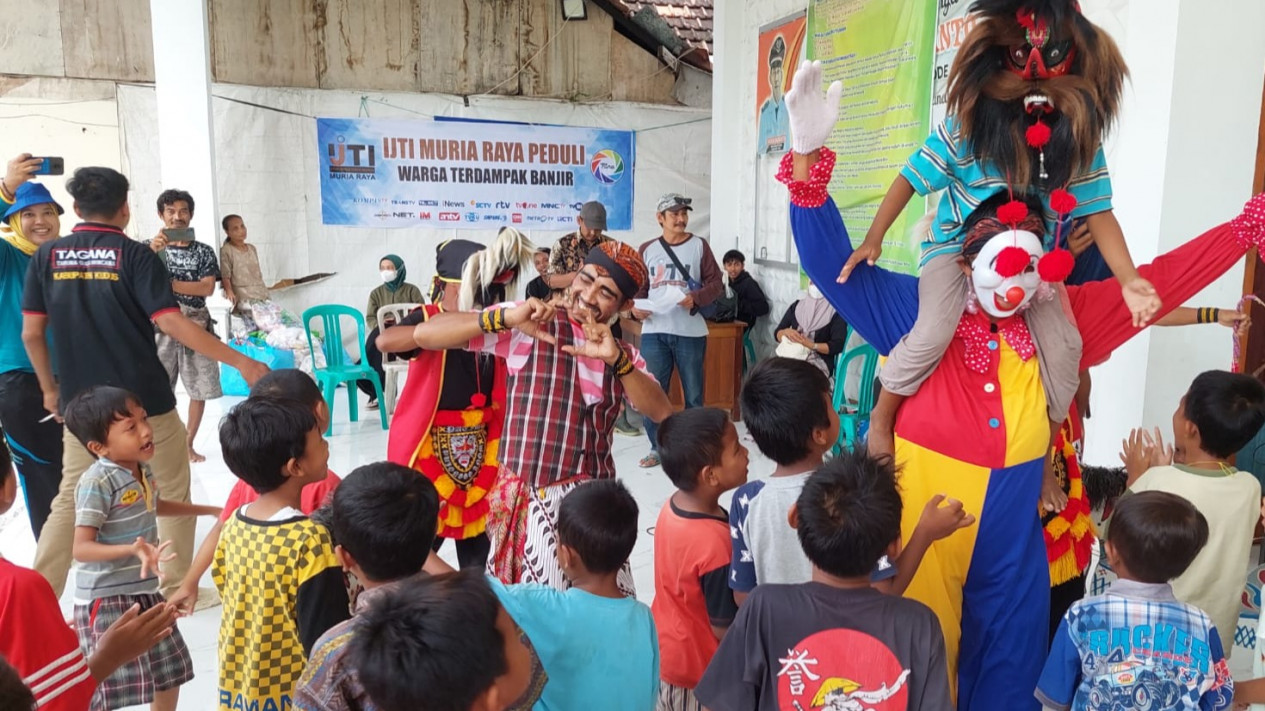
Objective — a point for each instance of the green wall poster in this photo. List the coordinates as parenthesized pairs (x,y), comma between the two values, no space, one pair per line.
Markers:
(883,51)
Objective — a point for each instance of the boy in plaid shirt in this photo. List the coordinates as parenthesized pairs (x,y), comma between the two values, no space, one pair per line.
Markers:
(1137,643)
(116,547)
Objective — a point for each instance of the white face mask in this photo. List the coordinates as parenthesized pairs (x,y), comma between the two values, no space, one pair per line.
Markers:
(814,292)
(388,276)
(1002,297)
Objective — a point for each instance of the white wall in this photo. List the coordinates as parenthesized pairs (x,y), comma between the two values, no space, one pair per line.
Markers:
(74,119)
(1182,160)
(267,172)
(736,33)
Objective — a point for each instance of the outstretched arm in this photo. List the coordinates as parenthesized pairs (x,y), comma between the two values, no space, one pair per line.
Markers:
(1103,318)
(879,304)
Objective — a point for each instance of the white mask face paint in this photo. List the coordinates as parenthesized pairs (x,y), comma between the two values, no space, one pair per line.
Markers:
(999,296)
(814,292)
(387,275)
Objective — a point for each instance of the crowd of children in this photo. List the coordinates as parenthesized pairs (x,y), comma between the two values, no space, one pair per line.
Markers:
(790,600)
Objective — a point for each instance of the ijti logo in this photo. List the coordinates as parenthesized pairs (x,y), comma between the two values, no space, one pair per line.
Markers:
(449,217)
(472,217)
(362,158)
(607,166)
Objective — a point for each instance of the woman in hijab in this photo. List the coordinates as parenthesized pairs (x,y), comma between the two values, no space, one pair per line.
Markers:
(394,290)
(31,218)
(813,324)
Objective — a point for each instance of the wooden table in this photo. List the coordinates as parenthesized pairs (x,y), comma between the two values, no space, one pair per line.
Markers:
(722,366)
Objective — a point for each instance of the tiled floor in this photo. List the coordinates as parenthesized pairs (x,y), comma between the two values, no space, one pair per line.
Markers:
(351,445)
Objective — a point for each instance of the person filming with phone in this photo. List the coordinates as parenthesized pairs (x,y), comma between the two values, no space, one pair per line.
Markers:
(194,272)
(31,217)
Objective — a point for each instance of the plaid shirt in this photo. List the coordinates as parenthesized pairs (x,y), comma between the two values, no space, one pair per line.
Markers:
(561,408)
(568,254)
(1136,641)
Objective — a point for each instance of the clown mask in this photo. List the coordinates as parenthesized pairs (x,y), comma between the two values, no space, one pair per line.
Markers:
(1003,289)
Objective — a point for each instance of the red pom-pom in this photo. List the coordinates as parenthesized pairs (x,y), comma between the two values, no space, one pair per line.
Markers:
(1011,261)
(1012,213)
(1038,135)
(1056,266)
(1062,202)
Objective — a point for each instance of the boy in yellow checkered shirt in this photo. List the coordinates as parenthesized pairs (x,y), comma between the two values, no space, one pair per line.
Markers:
(275,569)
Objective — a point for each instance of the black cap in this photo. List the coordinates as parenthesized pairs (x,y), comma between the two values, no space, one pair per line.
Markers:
(777,53)
(451,256)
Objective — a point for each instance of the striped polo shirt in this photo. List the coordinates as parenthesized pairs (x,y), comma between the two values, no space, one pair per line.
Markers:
(110,499)
(945,162)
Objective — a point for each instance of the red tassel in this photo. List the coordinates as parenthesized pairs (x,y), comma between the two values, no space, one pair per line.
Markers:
(1056,266)
(1062,202)
(1011,261)
(1038,135)
(1012,213)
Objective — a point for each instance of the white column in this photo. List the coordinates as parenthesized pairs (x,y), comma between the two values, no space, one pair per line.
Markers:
(186,138)
(731,157)
(1183,161)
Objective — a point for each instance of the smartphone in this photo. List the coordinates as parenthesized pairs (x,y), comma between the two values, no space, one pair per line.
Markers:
(174,234)
(51,165)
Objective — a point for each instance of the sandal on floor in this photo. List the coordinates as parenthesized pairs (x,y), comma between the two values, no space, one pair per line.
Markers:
(650,460)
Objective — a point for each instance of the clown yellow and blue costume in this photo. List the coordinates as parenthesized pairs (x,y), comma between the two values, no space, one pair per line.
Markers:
(977,430)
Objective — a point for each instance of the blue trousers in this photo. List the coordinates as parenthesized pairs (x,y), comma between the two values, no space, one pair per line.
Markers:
(665,352)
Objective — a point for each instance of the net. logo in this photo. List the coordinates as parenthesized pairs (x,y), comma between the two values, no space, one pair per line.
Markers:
(607,166)
(363,160)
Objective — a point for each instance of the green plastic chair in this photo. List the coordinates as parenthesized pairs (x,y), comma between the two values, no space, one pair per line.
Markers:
(337,368)
(851,415)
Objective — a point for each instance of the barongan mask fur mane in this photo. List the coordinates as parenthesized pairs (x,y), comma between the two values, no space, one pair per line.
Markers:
(1030,61)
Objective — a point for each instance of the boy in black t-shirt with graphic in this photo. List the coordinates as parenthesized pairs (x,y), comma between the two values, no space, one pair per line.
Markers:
(834,642)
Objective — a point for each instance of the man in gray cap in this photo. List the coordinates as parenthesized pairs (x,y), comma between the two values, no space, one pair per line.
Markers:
(679,262)
(567,255)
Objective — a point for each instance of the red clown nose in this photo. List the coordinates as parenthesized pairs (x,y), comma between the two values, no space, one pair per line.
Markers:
(1015,294)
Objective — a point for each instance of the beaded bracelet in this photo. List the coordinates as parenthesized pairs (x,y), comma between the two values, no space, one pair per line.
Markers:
(492,320)
(623,365)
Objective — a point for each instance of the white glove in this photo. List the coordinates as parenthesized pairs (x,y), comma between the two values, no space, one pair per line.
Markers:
(811,115)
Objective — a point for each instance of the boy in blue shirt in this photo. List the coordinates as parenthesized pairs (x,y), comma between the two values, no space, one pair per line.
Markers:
(599,648)
(1136,645)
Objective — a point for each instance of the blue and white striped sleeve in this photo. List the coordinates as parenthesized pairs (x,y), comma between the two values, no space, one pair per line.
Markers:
(930,168)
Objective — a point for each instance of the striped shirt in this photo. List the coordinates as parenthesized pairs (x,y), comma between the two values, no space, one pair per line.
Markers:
(515,348)
(560,409)
(945,162)
(37,642)
(110,499)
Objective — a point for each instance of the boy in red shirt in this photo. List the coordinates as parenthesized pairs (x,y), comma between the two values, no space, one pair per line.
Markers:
(693,605)
(287,384)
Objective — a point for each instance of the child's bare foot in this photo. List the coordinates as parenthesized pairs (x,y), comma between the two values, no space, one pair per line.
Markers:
(194,457)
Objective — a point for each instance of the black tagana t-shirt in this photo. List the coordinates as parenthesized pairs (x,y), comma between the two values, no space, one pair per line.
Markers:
(101,291)
(812,646)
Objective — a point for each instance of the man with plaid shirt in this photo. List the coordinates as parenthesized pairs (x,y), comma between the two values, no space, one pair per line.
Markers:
(567,375)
